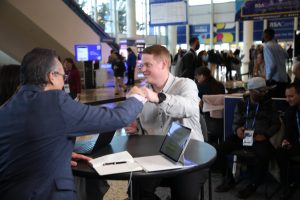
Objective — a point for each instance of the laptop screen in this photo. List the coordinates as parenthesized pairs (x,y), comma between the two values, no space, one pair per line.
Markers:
(175,141)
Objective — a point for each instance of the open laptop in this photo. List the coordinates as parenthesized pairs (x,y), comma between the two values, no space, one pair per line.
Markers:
(172,150)
(93,142)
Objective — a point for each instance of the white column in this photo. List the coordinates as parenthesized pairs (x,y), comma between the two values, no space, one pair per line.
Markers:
(248,41)
(237,36)
(115,19)
(187,36)
(146,18)
(95,10)
(172,39)
(265,24)
(211,43)
(130,18)
(295,23)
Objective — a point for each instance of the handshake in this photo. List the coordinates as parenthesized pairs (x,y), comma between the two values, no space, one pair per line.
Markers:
(149,95)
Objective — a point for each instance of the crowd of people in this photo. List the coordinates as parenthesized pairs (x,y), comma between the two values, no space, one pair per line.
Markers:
(40,120)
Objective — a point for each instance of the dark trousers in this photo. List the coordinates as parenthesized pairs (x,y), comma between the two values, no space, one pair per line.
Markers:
(130,75)
(185,186)
(283,159)
(262,151)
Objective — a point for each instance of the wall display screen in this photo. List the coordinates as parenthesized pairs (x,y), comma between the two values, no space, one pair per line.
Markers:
(88,52)
(168,13)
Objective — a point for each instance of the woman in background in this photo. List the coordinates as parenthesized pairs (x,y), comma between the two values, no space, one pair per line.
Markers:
(119,68)
(207,85)
(73,78)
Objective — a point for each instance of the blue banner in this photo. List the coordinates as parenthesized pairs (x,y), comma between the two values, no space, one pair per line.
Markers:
(261,9)
(181,35)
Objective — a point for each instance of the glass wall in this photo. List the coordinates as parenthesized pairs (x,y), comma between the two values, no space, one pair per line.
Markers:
(102,11)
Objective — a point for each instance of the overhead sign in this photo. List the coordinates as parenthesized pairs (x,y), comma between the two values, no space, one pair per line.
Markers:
(88,52)
(170,12)
(253,9)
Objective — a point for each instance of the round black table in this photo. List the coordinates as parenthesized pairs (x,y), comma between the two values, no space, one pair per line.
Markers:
(200,153)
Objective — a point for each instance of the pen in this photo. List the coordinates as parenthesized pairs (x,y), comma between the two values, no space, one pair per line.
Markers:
(114,163)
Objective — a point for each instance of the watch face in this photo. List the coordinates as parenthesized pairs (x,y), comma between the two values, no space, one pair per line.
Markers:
(161,97)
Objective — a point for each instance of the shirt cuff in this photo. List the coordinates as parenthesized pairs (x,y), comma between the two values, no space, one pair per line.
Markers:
(138,97)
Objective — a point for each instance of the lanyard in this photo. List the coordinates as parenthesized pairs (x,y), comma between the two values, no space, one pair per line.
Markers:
(298,125)
(247,114)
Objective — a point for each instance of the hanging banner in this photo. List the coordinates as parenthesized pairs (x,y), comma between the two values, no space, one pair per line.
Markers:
(264,9)
(223,32)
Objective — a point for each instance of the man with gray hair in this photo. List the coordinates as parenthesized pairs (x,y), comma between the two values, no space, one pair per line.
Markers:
(38,126)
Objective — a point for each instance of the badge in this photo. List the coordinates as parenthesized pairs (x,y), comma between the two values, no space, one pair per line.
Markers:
(67,88)
(248,138)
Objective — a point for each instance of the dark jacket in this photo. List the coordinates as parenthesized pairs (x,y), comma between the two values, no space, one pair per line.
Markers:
(267,118)
(37,132)
(291,133)
(190,63)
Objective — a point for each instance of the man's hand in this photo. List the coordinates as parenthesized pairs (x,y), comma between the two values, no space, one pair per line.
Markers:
(131,128)
(240,132)
(259,137)
(151,95)
(286,144)
(76,156)
(136,90)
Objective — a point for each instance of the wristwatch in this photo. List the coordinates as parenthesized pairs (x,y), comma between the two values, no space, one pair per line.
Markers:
(161,97)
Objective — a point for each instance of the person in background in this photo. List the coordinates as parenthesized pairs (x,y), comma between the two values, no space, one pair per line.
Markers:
(73,78)
(290,146)
(251,59)
(290,55)
(170,99)
(131,63)
(202,59)
(190,61)
(275,57)
(259,66)
(45,120)
(207,85)
(296,70)
(256,114)
(119,68)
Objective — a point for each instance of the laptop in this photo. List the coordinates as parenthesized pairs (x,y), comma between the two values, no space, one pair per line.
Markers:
(87,144)
(171,150)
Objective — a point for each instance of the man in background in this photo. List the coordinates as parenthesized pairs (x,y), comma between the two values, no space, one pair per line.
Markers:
(190,62)
(131,63)
(275,57)
(290,146)
(255,116)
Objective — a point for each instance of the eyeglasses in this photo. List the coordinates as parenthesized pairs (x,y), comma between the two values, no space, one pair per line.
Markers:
(65,77)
